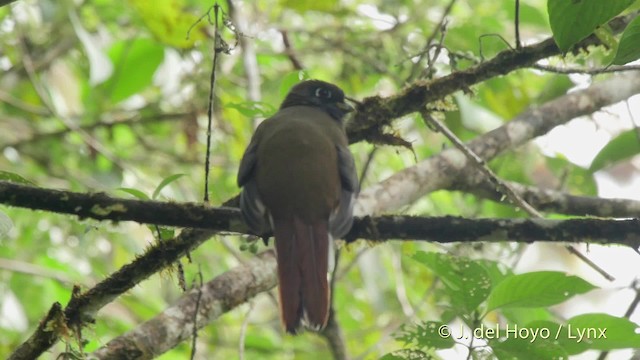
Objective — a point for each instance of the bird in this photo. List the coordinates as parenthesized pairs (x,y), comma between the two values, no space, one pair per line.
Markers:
(299,182)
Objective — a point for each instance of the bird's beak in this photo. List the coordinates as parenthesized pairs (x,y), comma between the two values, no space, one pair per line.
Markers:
(343,106)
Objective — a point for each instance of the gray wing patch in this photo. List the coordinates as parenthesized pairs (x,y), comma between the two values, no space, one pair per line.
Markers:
(341,220)
(253,211)
(247,164)
(347,169)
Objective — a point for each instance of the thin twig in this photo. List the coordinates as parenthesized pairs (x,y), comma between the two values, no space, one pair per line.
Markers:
(217,49)
(45,98)
(627,314)
(401,290)
(517,25)
(34,270)
(290,52)
(24,106)
(439,28)
(481,165)
(133,120)
(367,165)
(500,185)
(194,331)
(427,72)
(332,333)
(481,37)
(243,331)
(594,71)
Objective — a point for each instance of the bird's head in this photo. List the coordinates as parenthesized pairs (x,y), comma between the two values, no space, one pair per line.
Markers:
(317,93)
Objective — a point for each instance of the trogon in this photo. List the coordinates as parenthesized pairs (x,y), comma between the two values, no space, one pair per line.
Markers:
(299,181)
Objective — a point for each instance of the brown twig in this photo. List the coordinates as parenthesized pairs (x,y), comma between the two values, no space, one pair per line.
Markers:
(594,71)
(217,49)
(501,186)
(375,113)
(517,25)
(290,52)
(438,29)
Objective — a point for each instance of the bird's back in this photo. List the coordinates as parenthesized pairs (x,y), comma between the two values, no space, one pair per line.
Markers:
(309,175)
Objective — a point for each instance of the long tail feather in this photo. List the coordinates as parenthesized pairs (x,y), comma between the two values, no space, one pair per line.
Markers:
(303,254)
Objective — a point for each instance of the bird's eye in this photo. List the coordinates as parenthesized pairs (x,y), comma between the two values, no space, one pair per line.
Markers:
(323,93)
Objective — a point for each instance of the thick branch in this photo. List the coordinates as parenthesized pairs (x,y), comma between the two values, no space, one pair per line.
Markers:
(450,229)
(560,202)
(130,121)
(52,323)
(400,189)
(375,112)
(448,168)
(83,306)
(101,206)
(443,229)
(239,285)
(211,300)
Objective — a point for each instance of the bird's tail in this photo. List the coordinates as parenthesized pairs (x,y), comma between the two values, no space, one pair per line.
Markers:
(303,254)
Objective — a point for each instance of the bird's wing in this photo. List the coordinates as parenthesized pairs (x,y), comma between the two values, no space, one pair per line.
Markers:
(342,218)
(253,210)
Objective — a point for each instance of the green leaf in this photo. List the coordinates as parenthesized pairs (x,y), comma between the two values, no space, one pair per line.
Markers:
(601,332)
(574,20)
(15,178)
(165,232)
(135,192)
(261,342)
(427,334)
(310,5)
(406,354)
(574,178)
(525,348)
(135,63)
(526,315)
(606,37)
(166,181)
(536,289)
(629,46)
(466,281)
(253,108)
(170,21)
(496,271)
(623,146)
(291,79)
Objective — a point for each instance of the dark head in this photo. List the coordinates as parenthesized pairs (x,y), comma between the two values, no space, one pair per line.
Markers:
(328,97)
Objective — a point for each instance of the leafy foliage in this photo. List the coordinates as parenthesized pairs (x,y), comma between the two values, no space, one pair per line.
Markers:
(572,21)
(628,49)
(472,292)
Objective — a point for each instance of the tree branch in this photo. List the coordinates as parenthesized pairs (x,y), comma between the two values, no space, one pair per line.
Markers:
(258,274)
(175,323)
(101,206)
(6,2)
(446,170)
(560,202)
(449,229)
(440,229)
(52,323)
(375,113)
(82,307)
